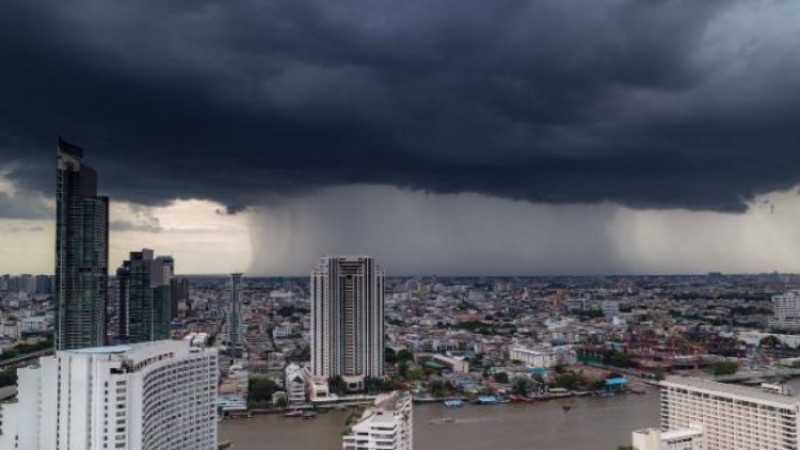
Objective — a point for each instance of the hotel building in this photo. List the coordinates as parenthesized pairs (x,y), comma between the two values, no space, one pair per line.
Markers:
(148,396)
(732,417)
(386,426)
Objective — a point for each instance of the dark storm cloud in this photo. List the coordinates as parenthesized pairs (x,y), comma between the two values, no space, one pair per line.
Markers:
(647,103)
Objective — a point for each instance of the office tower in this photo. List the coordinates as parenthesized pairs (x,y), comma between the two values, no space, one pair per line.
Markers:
(732,417)
(654,439)
(233,322)
(180,295)
(44,284)
(81,277)
(148,396)
(347,319)
(144,298)
(786,311)
(386,426)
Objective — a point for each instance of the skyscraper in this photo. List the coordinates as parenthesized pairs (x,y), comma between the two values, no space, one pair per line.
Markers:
(147,396)
(234,319)
(180,294)
(347,319)
(81,276)
(144,298)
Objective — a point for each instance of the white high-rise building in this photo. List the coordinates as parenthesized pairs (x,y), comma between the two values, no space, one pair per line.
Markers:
(388,425)
(786,311)
(732,417)
(149,396)
(654,439)
(234,319)
(347,295)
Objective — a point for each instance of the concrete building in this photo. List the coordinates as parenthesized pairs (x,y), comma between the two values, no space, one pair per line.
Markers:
(732,417)
(347,323)
(233,322)
(386,426)
(786,311)
(81,276)
(610,308)
(149,396)
(543,357)
(295,384)
(654,439)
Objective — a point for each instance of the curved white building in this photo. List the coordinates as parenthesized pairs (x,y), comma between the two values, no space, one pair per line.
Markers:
(150,396)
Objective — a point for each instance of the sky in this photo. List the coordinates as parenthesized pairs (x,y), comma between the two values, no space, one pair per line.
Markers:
(442,136)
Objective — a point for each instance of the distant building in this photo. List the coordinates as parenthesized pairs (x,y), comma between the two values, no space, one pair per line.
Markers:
(144,299)
(543,356)
(732,417)
(149,396)
(347,301)
(610,308)
(386,426)
(179,289)
(786,311)
(81,276)
(233,322)
(27,284)
(44,284)
(682,439)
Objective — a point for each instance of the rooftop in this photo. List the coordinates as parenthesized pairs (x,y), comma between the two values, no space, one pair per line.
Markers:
(743,392)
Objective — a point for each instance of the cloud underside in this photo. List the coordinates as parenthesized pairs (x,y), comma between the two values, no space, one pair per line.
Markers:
(644,103)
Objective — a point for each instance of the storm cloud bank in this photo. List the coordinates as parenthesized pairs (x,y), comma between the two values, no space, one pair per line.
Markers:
(648,104)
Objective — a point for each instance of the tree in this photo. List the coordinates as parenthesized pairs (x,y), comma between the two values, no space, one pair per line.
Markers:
(337,385)
(390,356)
(522,386)
(405,355)
(260,390)
(771,342)
(402,369)
(501,377)
(8,377)
(280,399)
(373,385)
(720,368)
(439,388)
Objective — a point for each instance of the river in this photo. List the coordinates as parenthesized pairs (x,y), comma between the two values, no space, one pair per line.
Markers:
(591,424)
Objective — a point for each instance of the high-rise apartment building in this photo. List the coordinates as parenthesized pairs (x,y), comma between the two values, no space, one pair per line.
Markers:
(144,300)
(179,288)
(81,276)
(731,417)
(234,319)
(347,319)
(149,396)
(386,426)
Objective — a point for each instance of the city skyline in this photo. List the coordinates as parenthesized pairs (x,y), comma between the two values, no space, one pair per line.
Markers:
(616,137)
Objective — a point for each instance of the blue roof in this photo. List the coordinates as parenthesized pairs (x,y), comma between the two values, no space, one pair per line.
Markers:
(104,350)
(616,381)
(487,398)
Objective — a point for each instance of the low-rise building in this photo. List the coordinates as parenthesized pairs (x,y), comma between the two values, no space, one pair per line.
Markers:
(295,384)
(386,426)
(655,439)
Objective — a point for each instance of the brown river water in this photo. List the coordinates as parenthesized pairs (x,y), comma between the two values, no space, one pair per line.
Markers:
(591,424)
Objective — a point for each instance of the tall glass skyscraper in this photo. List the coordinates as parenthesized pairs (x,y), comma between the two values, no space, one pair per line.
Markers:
(144,309)
(81,277)
(347,319)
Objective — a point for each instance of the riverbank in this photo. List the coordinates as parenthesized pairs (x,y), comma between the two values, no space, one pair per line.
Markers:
(592,423)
